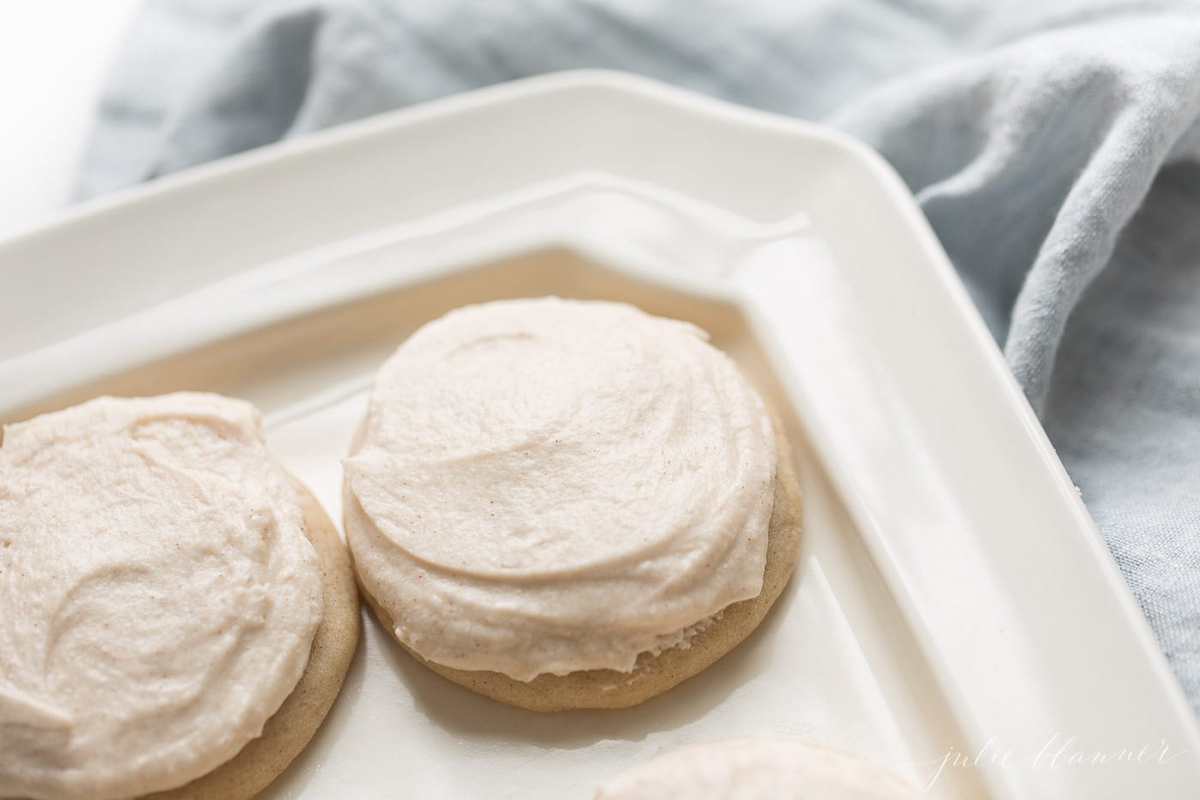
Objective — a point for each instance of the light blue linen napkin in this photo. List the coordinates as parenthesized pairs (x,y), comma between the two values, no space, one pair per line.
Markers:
(1053,146)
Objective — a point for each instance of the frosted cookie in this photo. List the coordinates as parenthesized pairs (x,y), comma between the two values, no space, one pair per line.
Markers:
(564,504)
(755,769)
(176,613)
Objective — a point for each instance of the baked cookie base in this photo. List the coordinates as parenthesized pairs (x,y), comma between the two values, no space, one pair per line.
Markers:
(653,674)
(291,727)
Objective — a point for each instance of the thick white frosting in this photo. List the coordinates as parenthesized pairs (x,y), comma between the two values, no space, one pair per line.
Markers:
(158,597)
(757,769)
(545,486)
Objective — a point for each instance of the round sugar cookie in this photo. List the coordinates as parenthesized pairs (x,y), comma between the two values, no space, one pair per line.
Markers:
(568,504)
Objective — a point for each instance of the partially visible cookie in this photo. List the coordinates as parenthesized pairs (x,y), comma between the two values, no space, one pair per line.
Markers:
(177,614)
(757,769)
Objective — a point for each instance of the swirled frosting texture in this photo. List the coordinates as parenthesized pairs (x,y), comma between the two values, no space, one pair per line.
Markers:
(545,486)
(158,597)
(757,769)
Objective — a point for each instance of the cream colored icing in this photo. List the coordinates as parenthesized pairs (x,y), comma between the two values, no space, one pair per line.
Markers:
(158,597)
(545,486)
(757,769)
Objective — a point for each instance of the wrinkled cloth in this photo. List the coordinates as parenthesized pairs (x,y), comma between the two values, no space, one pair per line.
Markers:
(1053,146)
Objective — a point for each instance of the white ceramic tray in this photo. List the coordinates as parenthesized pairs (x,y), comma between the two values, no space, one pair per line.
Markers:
(955,615)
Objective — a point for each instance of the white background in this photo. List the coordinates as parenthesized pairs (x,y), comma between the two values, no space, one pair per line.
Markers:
(54,56)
